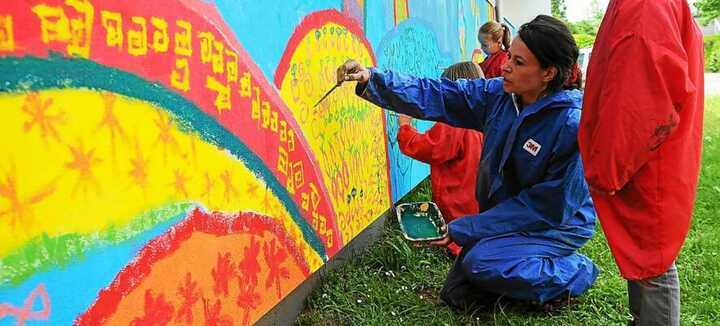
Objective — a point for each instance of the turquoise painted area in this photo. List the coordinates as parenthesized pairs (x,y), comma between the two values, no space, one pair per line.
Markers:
(379,20)
(410,48)
(43,253)
(73,288)
(442,18)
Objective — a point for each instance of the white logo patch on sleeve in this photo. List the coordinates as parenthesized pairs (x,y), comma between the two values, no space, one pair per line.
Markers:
(532,147)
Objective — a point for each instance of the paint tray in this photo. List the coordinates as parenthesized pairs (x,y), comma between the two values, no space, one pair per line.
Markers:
(420,221)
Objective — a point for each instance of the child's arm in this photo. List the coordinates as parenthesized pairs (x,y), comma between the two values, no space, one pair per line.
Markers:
(438,145)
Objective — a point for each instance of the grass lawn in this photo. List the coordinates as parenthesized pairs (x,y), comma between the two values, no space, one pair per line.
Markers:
(395,283)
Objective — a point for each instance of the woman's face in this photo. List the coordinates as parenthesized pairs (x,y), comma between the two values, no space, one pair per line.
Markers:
(523,74)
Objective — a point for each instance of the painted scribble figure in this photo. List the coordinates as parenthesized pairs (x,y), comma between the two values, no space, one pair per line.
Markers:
(494,40)
(452,153)
(640,138)
(537,210)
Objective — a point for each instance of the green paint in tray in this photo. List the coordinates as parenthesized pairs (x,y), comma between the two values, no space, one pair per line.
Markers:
(420,221)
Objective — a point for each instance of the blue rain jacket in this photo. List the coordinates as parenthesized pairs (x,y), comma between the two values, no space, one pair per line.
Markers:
(530,187)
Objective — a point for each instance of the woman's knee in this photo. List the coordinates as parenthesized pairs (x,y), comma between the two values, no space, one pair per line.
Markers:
(480,268)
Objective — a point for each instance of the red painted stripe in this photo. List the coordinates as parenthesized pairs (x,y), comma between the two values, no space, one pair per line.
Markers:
(163,246)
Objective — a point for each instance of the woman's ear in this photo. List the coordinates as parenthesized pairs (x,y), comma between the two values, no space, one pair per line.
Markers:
(549,73)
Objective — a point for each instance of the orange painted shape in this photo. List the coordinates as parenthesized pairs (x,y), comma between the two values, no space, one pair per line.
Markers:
(209,269)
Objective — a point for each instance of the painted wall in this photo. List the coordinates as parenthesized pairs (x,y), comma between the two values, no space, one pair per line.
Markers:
(162,162)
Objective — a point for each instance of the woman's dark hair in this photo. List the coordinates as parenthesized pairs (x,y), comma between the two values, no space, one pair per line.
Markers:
(552,43)
(463,70)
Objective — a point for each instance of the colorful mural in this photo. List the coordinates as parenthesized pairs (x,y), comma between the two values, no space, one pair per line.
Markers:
(343,129)
(162,163)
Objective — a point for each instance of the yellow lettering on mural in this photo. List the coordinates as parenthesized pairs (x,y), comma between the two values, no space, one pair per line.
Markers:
(137,39)
(305,203)
(315,221)
(245,84)
(314,196)
(282,164)
(321,223)
(290,185)
(218,60)
(329,234)
(283,131)
(7,38)
(265,114)
(222,99)
(81,28)
(291,140)
(180,76)
(274,122)
(206,46)
(183,38)
(298,174)
(54,25)
(213,51)
(161,40)
(112,21)
(232,66)
(285,168)
(255,114)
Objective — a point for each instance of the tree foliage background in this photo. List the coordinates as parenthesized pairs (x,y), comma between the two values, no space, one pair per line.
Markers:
(584,30)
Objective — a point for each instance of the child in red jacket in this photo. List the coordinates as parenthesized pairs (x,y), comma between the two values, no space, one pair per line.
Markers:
(494,40)
(453,155)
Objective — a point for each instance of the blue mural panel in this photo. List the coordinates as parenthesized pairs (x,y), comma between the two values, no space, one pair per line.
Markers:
(411,48)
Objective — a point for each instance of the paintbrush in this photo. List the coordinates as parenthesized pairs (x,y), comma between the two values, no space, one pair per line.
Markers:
(328,93)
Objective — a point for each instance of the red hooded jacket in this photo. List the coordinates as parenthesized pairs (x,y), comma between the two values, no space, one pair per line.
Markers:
(454,158)
(492,65)
(641,130)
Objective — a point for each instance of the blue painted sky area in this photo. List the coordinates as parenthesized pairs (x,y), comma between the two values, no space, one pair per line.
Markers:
(442,17)
(379,20)
(410,48)
(472,23)
(264,27)
(73,288)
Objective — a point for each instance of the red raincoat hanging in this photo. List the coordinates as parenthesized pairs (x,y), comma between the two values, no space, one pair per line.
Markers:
(641,130)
